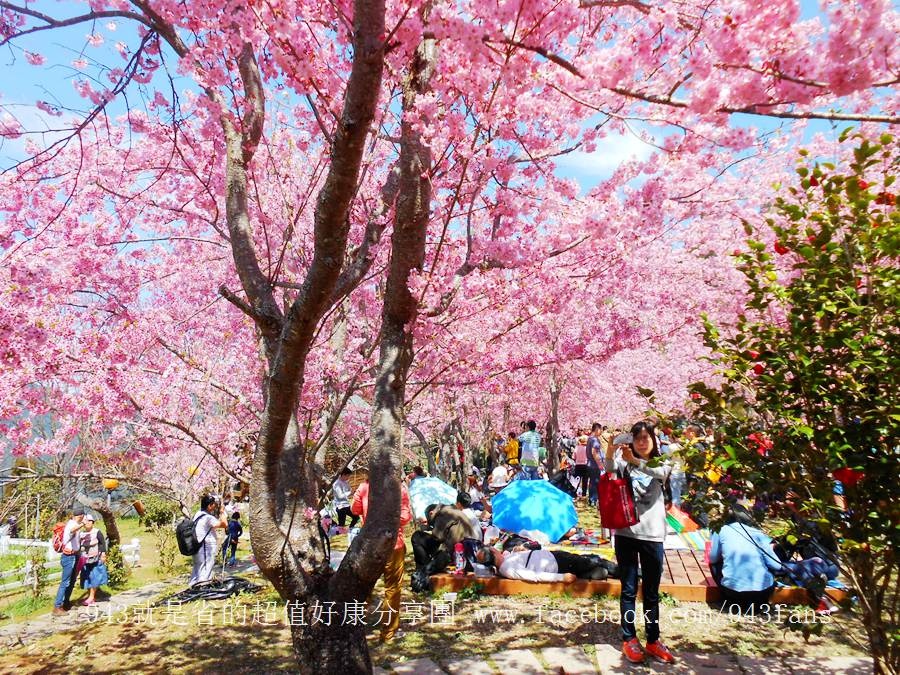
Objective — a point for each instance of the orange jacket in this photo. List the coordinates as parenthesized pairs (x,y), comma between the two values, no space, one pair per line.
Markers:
(360,506)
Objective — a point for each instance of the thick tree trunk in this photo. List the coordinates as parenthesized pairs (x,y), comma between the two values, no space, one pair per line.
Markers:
(400,306)
(433,456)
(284,490)
(552,435)
(285,537)
(398,317)
(507,421)
(491,452)
(341,648)
(873,603)
(451,438)
(330,649)
(426,447)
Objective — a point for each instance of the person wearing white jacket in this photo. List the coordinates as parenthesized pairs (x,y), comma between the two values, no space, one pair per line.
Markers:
(545,566)
(642,462)
(341,491)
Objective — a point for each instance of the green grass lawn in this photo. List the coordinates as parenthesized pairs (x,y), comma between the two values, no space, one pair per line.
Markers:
(11,561)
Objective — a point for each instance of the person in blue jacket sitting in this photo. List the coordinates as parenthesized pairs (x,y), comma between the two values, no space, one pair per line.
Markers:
(742,562)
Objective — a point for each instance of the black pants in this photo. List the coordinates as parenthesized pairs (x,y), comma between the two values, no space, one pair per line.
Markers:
(342,514)
(428,552)
(747,601)
(651,556)
(584,566)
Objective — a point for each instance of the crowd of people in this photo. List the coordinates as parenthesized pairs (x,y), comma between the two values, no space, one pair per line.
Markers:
(524,456)
(744,561)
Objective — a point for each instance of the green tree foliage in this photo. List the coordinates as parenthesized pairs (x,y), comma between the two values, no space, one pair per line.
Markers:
(119,571)
(158,512)
(810,391)
(23,500)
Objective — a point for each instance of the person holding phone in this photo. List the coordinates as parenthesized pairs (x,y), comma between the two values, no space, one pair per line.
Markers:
(641,461)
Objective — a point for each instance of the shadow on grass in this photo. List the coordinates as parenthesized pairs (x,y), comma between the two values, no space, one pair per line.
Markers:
(476,632)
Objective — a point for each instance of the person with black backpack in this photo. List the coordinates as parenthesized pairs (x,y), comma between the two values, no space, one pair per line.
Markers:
(207,519)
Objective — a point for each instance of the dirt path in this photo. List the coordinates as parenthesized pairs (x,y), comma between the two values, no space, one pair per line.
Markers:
(27,632)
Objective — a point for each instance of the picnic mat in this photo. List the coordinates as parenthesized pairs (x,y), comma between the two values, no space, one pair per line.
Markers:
(603,550)
(674,542)
(696,540)
(589,538)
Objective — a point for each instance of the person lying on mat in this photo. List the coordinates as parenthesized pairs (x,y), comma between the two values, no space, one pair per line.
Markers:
(546,566)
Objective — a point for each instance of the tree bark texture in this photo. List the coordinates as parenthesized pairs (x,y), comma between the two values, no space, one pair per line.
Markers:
(331,649)
(398,317)
(878,593)
(284,484)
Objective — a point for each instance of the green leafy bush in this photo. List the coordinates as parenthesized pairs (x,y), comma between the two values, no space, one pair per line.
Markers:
(119,571)
(809,380)
(158,512)
(167,548)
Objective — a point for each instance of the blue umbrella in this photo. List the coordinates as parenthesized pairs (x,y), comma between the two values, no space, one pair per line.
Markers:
(534,505)
(430,490)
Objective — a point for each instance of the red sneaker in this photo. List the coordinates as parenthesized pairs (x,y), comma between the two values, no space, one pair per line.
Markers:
(660,651)
(633,651)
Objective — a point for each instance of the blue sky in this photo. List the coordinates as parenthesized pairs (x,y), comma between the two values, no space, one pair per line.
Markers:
(24,85)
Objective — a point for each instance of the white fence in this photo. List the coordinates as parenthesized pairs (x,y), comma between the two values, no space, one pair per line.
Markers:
(24,577)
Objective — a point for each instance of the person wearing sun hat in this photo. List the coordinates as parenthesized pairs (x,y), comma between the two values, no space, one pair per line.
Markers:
(93,547)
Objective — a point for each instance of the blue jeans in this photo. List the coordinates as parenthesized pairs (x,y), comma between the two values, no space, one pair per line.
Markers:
(677,482)
(529,473)
(67,583)
(651,555)
(593,484)
(229,543)
(804,571)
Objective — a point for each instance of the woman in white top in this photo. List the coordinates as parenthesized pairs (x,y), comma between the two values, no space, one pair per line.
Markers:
(341,491)
(642,462)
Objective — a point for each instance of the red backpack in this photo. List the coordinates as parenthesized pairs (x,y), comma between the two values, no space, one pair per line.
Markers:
(57,542)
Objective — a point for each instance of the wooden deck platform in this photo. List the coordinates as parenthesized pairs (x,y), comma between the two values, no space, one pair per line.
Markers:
(685,577)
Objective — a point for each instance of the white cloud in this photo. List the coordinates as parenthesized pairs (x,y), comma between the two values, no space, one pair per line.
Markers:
(610,152)
(39,126)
